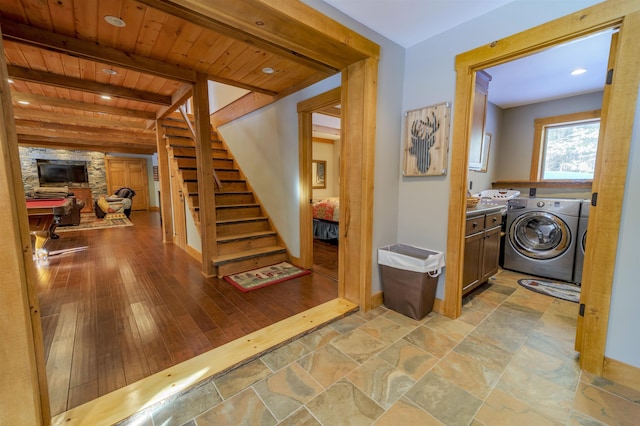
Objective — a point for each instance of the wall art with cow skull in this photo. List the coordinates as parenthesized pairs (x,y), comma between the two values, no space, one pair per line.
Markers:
(426,143)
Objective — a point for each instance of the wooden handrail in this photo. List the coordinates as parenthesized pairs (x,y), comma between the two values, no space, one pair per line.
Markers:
(185,117)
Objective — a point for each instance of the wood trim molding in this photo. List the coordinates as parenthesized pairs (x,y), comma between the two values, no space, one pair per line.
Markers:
(619,372)
(574,184)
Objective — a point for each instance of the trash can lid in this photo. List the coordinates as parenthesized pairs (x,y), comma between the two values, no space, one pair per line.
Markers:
(411,258)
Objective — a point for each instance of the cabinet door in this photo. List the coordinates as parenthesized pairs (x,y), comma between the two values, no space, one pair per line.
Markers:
(490,253)
(472,262)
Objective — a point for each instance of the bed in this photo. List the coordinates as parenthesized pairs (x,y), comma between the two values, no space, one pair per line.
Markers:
(326,216)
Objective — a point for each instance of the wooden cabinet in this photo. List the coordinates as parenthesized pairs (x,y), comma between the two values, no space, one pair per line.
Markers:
(85,195)
(481,94)
(481,250)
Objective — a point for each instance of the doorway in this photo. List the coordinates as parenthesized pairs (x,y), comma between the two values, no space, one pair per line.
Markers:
(325,190)
(613,149)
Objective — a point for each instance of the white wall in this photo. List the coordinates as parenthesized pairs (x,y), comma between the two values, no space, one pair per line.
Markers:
(514,158)
(430,79)
(221,95)
(270,136)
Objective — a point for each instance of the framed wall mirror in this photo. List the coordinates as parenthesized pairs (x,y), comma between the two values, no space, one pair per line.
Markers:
(479,154)
(318,174)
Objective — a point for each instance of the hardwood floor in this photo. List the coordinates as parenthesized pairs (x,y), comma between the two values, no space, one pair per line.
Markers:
(325,258)
(120,305)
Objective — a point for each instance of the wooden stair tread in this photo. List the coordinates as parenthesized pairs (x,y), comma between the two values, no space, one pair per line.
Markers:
(247,254)
(245,236)
(241,219)
(236,206)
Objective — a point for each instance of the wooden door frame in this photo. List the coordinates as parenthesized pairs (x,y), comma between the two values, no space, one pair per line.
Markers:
(306,109)
(609,181)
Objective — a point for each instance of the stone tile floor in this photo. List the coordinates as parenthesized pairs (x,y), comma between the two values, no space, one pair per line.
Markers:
(508,360)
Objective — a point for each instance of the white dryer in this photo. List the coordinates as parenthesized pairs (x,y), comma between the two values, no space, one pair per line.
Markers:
(582,240)
(541,237)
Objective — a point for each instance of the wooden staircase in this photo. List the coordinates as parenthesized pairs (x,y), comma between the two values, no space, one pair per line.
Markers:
(245,237)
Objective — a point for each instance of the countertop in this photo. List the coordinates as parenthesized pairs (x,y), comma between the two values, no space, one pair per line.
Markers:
(483,208)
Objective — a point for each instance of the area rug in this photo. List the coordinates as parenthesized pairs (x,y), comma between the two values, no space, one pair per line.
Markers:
(566,291)
(90,221)
(262,277)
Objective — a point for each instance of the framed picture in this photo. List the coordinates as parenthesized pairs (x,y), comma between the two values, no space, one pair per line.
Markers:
(318,174)
(426,143)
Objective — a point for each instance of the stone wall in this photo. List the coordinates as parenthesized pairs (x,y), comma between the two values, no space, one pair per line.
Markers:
(95,167)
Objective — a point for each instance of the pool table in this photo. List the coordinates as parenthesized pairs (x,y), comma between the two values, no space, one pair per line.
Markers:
(45,215)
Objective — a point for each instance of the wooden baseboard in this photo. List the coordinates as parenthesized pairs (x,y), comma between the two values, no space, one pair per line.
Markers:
(125,402)
(194,253)
(154,209)
(624,374)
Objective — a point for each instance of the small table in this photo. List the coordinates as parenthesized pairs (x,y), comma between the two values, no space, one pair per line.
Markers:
(44,217)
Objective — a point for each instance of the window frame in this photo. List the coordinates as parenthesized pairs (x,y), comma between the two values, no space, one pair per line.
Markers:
(540,125)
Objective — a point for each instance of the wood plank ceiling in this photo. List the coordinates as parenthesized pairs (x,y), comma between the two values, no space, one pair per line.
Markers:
(63,59)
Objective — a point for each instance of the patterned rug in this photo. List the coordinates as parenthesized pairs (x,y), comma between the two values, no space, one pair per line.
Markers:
(90,221)
(566,291)
(262,277)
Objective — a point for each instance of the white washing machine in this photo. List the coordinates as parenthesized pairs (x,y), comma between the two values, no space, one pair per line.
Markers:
(541,237)
(582,240)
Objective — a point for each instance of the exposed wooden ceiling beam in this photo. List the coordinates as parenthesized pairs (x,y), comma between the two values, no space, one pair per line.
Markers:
(104,146)
(75,120)
(219,23)
(105,132)
(67,103)
(57,80)
(178,98)
(89,50)
(96,137)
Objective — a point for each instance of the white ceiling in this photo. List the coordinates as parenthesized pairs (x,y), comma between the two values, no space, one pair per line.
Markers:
(536,78)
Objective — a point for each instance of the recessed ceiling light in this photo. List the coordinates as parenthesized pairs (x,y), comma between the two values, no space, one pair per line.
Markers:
(10,81)
(106,97)
(268,70)
(110,71)
(23,102)
(115,21)
(259,23)
(578,71)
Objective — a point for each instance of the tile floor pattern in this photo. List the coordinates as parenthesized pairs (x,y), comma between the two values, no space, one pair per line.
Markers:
(508,360)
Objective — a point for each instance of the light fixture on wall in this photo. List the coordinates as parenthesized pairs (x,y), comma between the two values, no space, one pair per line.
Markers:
(578,71)
(115,21)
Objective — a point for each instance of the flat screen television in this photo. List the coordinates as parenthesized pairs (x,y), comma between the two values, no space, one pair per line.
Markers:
(62,172)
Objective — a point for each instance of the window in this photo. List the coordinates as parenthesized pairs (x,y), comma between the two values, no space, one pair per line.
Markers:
(565,147)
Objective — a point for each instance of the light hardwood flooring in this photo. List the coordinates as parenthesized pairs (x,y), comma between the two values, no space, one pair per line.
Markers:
(120,305)
(508,360)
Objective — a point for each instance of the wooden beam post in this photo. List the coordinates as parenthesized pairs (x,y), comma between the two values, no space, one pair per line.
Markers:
(206,187)
(359,94)
(165,186)
(24,398)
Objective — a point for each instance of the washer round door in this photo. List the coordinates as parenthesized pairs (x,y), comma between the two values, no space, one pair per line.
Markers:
(540,235)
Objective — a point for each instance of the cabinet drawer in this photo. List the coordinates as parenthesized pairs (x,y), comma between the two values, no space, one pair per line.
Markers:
(492,220)
(474,224)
